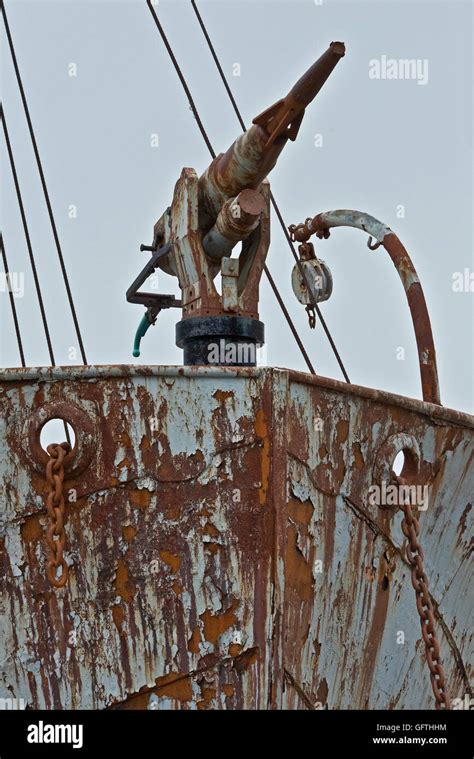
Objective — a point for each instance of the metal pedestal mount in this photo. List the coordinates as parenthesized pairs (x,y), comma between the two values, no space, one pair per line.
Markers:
(230,340)
(220,328)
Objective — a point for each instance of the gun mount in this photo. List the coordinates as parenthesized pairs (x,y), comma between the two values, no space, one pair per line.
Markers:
(229,204)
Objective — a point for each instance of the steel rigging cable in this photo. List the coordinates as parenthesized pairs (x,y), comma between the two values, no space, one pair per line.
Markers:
(12,301)
(32,262)
(27,237)
(45,189)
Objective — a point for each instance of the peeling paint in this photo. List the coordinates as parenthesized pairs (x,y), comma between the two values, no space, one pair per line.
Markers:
(233,561)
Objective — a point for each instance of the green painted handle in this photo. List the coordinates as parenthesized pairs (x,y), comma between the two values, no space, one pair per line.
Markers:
(141,332)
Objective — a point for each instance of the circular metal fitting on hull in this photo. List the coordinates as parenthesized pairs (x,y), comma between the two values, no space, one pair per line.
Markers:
(220,340)
(318,274)
(85,429)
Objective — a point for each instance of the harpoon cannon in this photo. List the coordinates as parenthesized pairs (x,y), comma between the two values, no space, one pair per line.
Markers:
(208,216)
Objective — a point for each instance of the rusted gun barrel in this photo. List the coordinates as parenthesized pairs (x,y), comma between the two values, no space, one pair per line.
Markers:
(254,154)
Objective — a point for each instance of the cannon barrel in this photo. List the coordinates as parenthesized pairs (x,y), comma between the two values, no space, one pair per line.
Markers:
(254,154)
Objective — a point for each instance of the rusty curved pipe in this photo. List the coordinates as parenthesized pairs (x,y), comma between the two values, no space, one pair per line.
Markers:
(320,226)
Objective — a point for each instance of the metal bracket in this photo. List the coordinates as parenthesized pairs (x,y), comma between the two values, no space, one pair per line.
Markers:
(155,302)
(152,299)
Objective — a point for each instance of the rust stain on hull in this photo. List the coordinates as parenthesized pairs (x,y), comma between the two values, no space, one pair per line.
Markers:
(234,561)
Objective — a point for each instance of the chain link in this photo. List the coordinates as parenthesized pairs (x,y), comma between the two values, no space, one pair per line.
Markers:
(424,605)
(55,534)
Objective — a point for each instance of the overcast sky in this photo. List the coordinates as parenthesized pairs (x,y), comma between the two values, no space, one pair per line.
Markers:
(400,149)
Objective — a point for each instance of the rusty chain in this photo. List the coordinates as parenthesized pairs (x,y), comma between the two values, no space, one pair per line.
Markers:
(55,534)
(424,605)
